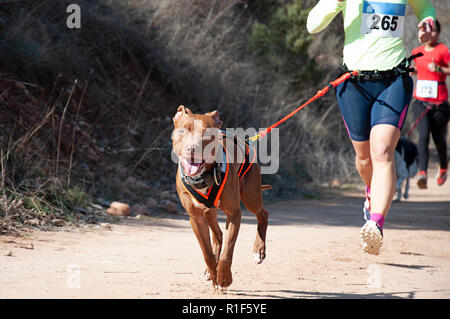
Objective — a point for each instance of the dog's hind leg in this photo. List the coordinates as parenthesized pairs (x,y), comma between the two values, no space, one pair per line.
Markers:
(259,247)
(398,188)
(253,200)
(217,237)
(406,193)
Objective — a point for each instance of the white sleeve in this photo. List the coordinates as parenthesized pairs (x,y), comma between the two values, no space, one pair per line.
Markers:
(322,14)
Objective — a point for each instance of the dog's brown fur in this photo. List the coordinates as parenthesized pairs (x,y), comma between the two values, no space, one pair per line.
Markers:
(248,189)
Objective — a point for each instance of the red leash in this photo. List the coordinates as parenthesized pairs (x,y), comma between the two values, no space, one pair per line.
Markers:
(319,93)
(417,121)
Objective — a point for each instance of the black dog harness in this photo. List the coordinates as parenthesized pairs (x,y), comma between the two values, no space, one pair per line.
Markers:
(214,179)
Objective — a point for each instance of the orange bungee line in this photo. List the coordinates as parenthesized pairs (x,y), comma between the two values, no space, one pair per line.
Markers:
(319,93)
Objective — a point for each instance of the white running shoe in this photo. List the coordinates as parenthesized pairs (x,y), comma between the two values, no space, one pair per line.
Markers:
(371,238)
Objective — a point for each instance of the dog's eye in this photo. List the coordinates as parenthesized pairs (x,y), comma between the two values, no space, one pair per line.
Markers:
(181,131)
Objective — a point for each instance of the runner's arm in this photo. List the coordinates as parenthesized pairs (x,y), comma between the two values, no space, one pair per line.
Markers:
(445,70)
(423,9)
(322,14)
(426,14)
(440,68)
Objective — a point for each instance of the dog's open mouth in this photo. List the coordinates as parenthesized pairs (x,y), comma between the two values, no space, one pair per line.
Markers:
(192,167)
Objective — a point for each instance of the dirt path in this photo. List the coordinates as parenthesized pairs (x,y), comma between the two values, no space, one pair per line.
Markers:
(313,252)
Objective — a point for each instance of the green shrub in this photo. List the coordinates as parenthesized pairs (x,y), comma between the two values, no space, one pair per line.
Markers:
(283,42)
(263,9)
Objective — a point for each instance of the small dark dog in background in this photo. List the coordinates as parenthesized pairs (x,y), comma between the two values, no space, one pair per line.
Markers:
(406,165)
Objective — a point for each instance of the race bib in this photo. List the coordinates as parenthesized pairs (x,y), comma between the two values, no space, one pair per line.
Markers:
(427,89)
(383,19)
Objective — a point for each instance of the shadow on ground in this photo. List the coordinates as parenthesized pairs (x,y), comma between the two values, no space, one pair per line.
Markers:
(344,211)
(347,211)
(290,294)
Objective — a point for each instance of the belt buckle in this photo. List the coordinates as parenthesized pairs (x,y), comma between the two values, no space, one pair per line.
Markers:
(377,75)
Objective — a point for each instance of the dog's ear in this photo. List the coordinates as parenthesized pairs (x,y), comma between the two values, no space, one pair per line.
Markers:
(215,115)
(182,110)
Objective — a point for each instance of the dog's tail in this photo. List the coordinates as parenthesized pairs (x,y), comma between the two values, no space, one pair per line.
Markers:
(266,187)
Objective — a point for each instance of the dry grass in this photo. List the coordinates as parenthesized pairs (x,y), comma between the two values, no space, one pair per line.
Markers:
(92,108)
(160,49)
(207,44)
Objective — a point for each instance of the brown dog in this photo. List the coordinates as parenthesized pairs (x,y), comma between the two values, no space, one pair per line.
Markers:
(194,166)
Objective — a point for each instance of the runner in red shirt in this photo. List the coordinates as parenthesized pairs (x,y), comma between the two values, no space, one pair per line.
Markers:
(432,100)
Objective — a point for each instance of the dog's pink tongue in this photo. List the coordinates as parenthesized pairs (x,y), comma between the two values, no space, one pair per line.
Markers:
(191,168)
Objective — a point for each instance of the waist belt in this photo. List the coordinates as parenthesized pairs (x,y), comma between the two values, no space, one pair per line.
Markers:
(403,69)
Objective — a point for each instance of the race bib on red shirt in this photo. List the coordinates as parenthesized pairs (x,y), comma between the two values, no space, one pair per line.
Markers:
(427,89)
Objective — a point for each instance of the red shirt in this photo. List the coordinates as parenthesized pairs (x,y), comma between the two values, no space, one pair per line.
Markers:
(427,81)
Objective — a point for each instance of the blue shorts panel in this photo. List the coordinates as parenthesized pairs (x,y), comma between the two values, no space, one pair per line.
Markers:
(364,104)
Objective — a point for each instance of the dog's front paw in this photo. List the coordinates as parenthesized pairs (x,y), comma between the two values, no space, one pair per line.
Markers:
(207,275)
(224,277)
